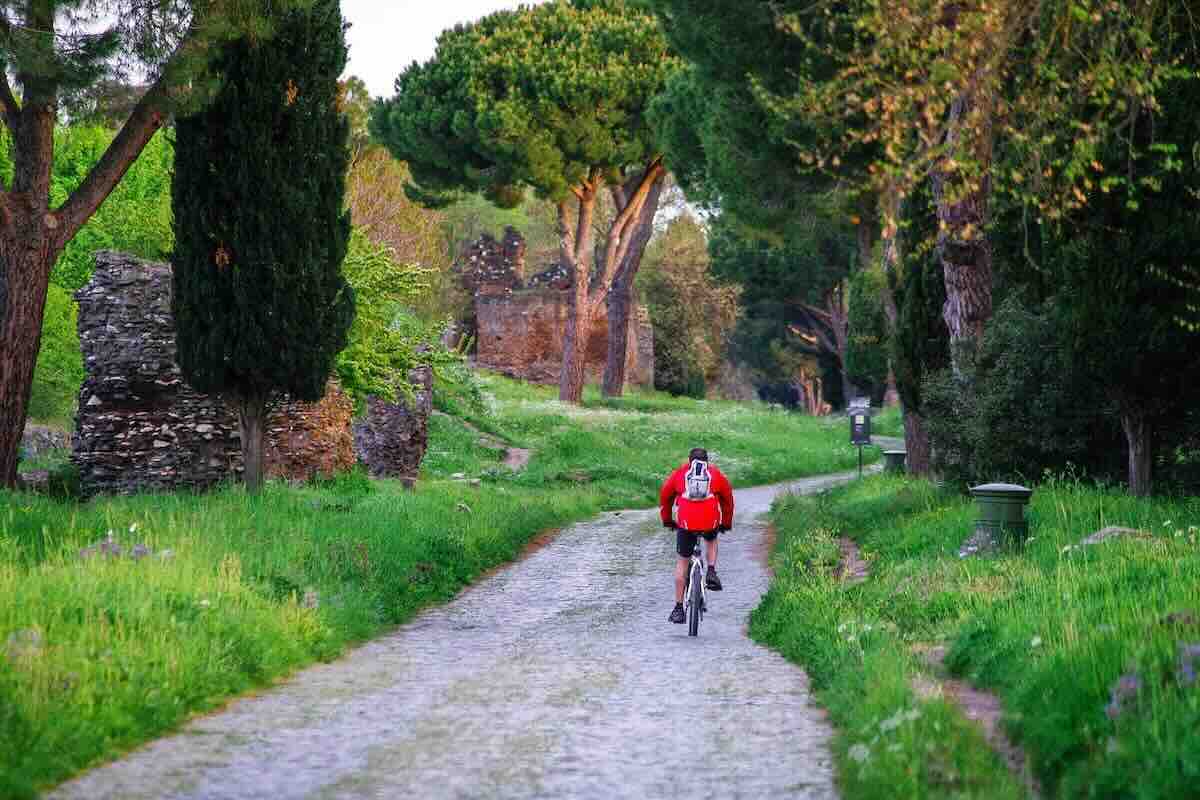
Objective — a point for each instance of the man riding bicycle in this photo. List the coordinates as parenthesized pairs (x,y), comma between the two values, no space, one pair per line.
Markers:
(696,500)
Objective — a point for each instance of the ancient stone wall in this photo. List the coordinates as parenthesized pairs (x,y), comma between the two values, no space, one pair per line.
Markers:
(520,324)
(307,440)
(141,427)
(491,267)
(522,336)
(391,440)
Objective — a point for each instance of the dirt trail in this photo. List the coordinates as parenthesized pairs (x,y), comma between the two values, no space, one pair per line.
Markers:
(977,705)
(557,677)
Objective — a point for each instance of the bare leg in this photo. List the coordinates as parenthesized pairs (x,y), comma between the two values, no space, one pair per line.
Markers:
(681,567)
(712,552)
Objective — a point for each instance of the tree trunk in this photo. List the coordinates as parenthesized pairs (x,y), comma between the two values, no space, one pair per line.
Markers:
(24,277)
(916,442)
(252,417)
(962,244)
(579,318)
(620,295)
(1138,436)
(575,245)
(891,394)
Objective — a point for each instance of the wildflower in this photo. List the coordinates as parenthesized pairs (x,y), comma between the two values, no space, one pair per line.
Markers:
(1123,692)
(1035,641)
(205,603)
(1189,660)
(133,527)
(859,753)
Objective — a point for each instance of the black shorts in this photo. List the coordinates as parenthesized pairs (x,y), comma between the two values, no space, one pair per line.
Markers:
(685,541)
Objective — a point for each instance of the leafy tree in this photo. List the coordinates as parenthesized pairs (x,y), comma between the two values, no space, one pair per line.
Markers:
(692,315)
(551,98)
(1119,272)
(935,86)
(260,303)
(867,342)
(799,281)
(386,339)
(47,48)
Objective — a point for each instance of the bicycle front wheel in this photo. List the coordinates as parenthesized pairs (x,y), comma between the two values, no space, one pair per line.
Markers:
(695,601)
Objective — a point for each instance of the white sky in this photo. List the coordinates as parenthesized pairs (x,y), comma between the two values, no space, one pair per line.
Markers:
(386,36)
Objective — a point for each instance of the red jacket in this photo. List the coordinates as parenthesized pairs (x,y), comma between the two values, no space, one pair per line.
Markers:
(722,501)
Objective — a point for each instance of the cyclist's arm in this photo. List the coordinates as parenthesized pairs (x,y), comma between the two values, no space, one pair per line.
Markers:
(666,497)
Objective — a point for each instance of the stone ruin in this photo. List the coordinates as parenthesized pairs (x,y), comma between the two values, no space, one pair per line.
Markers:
(520,323)
(141,427)
(392,438)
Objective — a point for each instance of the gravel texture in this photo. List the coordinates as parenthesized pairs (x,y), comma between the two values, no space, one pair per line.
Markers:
(556,677)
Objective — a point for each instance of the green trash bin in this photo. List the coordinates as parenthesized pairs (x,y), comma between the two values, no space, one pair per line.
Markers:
(1002,511)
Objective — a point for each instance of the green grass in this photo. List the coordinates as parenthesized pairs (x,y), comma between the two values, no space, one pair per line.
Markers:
(1051,629)
(126,650)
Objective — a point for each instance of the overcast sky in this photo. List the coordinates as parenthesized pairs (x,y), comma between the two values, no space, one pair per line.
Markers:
(387,35)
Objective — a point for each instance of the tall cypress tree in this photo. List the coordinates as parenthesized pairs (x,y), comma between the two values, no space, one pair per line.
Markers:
(260,225)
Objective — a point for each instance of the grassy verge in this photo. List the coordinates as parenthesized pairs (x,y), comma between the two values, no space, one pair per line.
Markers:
(100,654)
(1086,646)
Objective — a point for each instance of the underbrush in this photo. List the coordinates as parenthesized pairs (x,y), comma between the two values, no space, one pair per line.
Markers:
(229,591)
(1088,647)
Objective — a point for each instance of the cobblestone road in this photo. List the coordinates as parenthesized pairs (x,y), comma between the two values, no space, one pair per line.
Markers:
(556,677)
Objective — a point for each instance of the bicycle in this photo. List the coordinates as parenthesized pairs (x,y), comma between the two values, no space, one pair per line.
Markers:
(695,593)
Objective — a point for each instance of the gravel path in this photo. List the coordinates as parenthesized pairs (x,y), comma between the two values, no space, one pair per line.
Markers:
(556,677)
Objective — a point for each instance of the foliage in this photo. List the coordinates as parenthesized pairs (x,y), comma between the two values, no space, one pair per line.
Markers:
(59,371)
(166,637)
(136,217)
(259,300)
(1051,629)
(531,98)
(930,83)
(385,340)
(867,347)
(1031,412)
(691,314)
(792,294)
(727,149)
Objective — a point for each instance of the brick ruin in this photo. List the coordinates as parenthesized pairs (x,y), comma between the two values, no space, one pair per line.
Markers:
(141,427)
(520,323)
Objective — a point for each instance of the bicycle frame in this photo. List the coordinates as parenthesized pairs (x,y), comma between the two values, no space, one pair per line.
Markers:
(698,561)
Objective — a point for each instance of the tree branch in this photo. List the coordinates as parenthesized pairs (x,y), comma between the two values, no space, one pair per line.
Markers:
(145,120)
(618,241)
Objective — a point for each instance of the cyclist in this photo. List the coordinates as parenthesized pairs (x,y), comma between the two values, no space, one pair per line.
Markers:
(696,500)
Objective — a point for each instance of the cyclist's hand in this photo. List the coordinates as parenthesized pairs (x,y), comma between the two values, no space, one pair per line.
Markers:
(724,529)
(669,525)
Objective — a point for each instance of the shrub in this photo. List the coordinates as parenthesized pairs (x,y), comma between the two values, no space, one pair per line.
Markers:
(1031,410)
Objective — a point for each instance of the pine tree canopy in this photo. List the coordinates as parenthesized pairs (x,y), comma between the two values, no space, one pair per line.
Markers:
(261,226)
(540,98)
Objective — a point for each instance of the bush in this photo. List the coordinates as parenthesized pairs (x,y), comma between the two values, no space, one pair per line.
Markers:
(1030,412)
(59,370)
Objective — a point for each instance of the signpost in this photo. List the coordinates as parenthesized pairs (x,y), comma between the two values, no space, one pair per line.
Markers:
(860,426)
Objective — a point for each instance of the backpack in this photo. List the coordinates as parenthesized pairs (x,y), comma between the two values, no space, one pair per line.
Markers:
(698,482)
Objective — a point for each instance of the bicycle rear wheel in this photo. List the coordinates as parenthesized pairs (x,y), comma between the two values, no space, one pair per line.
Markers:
(695,601)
